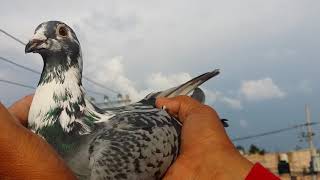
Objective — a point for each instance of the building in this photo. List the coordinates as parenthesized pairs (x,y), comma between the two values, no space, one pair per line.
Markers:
(299,162)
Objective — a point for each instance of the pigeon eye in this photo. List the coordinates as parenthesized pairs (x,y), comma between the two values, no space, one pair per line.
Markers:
(63,31)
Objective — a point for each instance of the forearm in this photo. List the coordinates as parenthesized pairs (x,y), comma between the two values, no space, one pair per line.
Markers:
(24,155)
(218,158)
(230,164)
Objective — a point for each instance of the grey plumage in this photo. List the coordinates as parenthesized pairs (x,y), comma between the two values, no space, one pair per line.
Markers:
(187,87)
(198,95)
(137,141)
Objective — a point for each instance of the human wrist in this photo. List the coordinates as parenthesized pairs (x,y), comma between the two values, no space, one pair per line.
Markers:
(210,149)
(218,163)
(231,164)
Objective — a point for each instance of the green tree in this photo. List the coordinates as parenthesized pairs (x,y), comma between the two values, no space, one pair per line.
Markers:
(256,150)
(240,148)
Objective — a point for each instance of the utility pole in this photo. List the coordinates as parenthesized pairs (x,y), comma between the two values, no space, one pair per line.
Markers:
(310,134)
(314,163)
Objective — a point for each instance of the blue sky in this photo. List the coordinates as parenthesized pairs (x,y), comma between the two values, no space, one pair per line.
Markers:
(267,52)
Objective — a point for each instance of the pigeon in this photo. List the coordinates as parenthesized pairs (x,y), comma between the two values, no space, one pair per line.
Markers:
(136,141)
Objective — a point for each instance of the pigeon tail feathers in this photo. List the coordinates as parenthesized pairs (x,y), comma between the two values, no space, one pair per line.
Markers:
(185,88)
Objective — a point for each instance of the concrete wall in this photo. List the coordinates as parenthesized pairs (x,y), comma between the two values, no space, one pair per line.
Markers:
(268,160)
(298,160)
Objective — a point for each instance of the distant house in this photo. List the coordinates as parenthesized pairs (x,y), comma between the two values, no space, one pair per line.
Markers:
(299,162)
(121,101)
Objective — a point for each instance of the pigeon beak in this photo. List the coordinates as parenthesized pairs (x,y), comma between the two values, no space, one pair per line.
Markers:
(34,45)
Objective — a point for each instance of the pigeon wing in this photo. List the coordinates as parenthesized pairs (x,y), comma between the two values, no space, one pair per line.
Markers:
(136,144)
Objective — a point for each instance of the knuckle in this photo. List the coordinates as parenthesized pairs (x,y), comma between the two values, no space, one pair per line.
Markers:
(184,98)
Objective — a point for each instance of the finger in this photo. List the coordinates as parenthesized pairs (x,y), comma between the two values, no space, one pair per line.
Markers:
(20,109)
(171,106)
(179,106)
(187,105)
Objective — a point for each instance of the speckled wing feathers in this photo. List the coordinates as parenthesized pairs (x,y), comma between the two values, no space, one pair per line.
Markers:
(139,142)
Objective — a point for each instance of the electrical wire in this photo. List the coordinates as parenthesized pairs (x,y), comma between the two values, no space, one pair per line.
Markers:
(37,72)
(32,70)
(31,87)
(17,84)
(275,131)
(11,36)
(19,65)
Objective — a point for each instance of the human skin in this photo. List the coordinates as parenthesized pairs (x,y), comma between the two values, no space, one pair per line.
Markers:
(23,154)
(206,150)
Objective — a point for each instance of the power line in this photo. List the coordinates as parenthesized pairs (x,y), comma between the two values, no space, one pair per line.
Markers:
(37,72)
(17,84)
(101,85)
(95,92)
(19,65)
(11,36)
(31,87)
(275,131)
(29,69)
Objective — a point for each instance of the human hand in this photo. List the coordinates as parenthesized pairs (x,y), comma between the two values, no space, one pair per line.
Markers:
(23,154)
(20,109)
(206,150)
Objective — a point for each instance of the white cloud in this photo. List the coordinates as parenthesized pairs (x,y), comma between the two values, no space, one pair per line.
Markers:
(211,96)
(262,89)
(161,81)
(144,30)
(216,96)
(232,102)
(112,74)
(143,33)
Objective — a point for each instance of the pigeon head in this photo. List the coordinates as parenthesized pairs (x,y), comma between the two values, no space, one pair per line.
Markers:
(56,42)
(59,99)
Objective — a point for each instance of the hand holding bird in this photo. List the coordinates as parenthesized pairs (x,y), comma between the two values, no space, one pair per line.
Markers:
(23,154)
(202,156)
(206,150)
(137,141)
